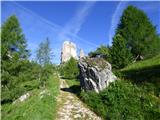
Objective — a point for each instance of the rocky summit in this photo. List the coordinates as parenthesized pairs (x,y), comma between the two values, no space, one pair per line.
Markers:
(95,74)
(68,50)
(81,54)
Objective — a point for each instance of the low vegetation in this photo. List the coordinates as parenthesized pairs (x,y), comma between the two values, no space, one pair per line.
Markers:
(155,61)
(99,62)
(41,105)
(102,51)
(72,82)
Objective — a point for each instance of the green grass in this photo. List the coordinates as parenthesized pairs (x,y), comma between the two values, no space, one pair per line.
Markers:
(35,108)
(145,74)
(123,100)
(135,96)
(72,82)
(143,64)
(74,85)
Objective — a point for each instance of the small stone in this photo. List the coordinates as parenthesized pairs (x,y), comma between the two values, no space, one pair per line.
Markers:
(24,97)
(77,116)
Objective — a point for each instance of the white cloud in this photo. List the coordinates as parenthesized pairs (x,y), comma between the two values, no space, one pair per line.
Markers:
(75,24)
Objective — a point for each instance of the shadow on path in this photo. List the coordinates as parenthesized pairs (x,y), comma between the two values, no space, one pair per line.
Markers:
(75,89)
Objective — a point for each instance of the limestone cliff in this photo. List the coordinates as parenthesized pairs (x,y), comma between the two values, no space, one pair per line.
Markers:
(68,50)
(81,54)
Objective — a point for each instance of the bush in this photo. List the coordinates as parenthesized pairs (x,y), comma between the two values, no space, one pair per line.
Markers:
(70,69)
(30,76)
(102,51)
(123,100)
(20,80)
(45,73)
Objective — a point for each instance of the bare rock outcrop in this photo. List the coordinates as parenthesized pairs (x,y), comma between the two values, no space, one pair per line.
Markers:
(22,98)
(95,74)
(68,50)
(81,54)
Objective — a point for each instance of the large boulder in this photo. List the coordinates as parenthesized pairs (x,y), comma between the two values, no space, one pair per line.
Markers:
(95,74)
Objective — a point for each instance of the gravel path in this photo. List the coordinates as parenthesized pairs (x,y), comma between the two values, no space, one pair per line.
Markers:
(71,108)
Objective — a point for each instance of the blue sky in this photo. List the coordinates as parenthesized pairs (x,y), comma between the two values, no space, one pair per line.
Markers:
(88,24)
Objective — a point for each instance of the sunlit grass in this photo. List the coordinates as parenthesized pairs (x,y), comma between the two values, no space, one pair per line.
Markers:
(35,107)
(143,64)
(72,82)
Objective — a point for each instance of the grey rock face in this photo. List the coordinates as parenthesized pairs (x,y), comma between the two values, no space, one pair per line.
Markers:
(95,74)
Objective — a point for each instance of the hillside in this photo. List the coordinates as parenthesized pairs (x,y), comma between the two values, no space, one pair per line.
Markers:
(144,73)
(155,61)
(134,96)
(39,106)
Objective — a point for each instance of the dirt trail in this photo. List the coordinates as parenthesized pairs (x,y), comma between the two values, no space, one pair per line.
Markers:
(71,108)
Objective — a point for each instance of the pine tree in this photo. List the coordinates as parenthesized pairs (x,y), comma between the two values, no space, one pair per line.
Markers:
(13,56)
(141,36)
(120,55)
(13,40)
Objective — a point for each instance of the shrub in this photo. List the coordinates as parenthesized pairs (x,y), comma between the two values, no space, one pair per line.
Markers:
(102,51)
(70,69)
(123,100)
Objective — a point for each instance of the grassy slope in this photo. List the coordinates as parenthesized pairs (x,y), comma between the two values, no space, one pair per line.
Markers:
(135,97)
(35,108)
(145,74)
(144,63)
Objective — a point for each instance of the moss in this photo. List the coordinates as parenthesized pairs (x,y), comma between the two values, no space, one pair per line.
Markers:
(99,62)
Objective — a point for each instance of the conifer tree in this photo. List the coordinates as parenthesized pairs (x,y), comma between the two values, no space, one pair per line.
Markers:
(120,55)
(13,56)
(139,33)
